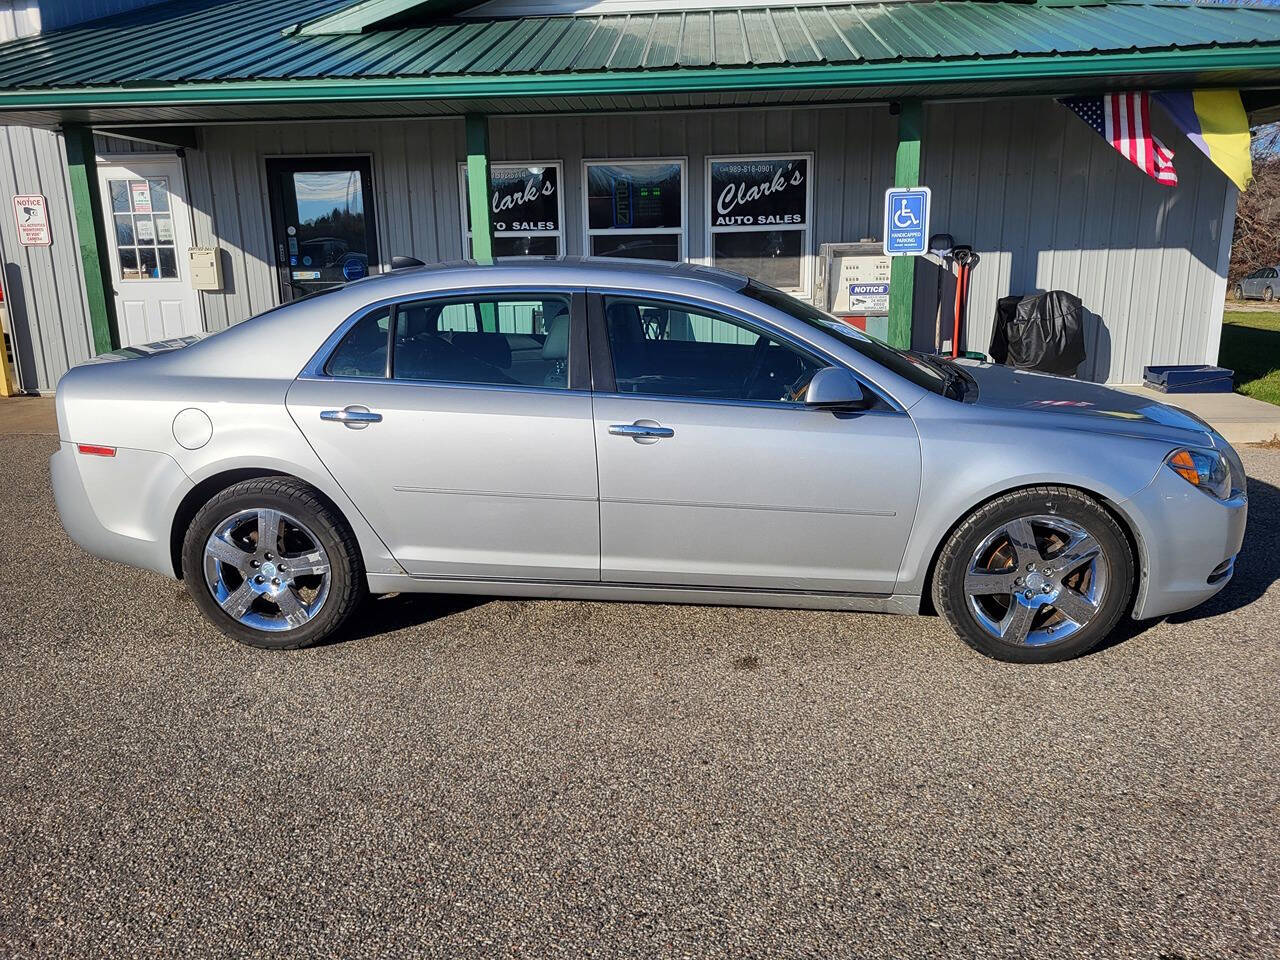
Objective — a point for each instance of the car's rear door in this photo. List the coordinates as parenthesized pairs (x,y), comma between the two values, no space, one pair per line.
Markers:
(470,451)
(712,475)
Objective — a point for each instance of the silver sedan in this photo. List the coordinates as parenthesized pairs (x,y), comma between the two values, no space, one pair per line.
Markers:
(630,431)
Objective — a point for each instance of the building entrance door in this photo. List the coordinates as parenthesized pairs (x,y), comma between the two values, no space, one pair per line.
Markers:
(323,222)
(149,226)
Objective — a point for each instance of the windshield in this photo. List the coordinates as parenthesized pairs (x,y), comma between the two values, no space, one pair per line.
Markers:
(933,374)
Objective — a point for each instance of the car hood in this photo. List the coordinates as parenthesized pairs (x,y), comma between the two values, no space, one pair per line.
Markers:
(1090,406)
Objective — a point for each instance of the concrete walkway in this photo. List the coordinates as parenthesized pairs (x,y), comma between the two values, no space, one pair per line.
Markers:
(27,415)
(1239,418)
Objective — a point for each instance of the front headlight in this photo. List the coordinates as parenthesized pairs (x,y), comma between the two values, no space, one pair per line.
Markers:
(1206,469)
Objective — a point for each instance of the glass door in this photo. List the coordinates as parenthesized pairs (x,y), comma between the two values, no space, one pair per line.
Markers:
(323,222)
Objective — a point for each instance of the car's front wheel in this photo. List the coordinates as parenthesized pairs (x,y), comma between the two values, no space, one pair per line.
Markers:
(271,564)
(1035,576)
(1237,292)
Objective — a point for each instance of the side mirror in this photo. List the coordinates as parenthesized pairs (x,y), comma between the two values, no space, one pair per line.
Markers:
(835,388)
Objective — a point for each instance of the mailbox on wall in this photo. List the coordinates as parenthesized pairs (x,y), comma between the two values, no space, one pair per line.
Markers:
(853,284)
(206,268)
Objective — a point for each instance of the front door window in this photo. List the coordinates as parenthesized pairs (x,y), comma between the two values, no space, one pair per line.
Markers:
(666,349)
(323,221)
(144,228)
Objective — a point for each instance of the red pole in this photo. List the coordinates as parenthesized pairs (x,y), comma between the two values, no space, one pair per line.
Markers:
(962,282)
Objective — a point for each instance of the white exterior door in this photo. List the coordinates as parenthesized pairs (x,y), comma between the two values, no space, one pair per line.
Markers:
(149,231)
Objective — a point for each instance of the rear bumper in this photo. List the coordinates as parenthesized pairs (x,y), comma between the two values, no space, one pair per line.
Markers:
(1190,541)
(120,508)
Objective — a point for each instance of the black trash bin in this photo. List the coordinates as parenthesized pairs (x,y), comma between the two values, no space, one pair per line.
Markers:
(1044,332)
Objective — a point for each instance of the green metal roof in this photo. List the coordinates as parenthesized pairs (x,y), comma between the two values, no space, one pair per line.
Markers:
(242,51)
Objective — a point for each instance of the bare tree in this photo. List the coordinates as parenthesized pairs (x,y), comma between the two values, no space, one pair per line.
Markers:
(1256,242)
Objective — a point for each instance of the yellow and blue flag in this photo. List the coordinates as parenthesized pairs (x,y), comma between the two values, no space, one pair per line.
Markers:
(1215,121)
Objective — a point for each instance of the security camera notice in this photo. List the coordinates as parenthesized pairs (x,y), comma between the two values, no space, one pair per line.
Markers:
(32,215)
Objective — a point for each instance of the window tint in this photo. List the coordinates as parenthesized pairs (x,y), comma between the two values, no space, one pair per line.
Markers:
(667,350)
(518,340)
(363,351)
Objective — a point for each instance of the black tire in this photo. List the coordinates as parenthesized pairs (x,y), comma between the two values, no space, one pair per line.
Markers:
(1237,292)
(346,583)
(1052,503)
(1268,294)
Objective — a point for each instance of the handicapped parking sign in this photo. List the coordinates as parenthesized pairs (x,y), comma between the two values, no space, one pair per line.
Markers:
(906,220)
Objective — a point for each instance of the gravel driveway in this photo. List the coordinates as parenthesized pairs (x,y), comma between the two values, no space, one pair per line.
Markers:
(542,779)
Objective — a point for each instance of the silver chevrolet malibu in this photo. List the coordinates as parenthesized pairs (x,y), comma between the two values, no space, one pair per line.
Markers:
(633,431)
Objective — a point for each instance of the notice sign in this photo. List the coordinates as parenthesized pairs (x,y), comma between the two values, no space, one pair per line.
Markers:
(140,191)
(768,192)
(32,214)
(863,285)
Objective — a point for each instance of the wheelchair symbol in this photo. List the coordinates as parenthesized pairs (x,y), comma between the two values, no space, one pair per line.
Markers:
(904,216)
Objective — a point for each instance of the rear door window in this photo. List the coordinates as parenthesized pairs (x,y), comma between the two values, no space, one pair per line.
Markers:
(515,339)
(363,351)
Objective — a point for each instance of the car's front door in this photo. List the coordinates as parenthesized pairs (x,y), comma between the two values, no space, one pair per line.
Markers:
(713,474)
(465,436)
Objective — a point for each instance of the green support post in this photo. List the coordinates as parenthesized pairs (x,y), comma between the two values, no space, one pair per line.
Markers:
(478,188)
(82,170)
(478,204)
(902,270)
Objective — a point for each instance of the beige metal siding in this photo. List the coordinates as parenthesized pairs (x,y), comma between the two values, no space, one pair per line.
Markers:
(1048,204)
(415,196)
(44,286)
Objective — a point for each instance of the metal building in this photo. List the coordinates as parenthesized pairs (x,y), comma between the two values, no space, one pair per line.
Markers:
(203,161)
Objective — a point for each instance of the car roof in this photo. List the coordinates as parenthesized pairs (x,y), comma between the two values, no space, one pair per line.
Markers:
(563,270)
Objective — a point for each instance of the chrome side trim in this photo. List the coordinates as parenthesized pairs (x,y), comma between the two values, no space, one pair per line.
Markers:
(755,506)
(452,385)
(501,494)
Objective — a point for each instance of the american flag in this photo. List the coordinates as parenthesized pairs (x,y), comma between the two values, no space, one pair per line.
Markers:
(1124,121)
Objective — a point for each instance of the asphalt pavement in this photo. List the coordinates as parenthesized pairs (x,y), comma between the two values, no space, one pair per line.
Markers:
(559,779)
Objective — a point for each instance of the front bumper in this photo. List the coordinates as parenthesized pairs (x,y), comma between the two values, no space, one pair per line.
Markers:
(1190,541)
(120,508)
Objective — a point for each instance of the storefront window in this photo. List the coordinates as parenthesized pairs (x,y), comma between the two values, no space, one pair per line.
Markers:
(525,207)
(759,218)
(635,209)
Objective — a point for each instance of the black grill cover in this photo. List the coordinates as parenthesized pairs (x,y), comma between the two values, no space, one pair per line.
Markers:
(1043,332)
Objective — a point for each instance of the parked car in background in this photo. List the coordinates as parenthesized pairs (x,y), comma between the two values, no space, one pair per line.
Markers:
(634,431)
(1262,284)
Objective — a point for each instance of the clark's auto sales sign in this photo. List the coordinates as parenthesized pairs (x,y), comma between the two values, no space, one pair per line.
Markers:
(32,214)
(524,199)
(760,193)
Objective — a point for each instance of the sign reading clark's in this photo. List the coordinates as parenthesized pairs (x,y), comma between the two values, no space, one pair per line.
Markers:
(765,192)
(524,199)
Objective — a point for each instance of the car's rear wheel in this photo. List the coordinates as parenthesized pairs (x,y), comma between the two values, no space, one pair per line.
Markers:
(1268,294)
(1035,576)
(271,565)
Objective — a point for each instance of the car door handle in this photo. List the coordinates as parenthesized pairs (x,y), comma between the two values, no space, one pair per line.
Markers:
(642,431)
(357,418)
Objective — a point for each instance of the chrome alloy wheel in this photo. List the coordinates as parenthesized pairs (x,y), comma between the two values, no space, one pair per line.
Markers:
(266,569)
(1036,580)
